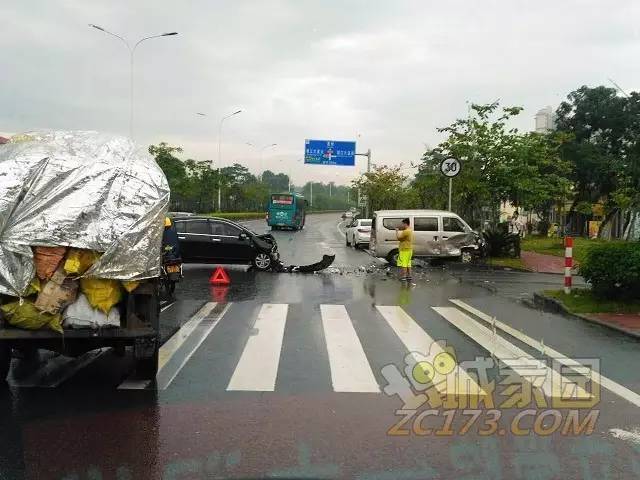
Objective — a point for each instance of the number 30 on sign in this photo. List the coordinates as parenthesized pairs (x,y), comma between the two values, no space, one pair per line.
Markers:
(450,167)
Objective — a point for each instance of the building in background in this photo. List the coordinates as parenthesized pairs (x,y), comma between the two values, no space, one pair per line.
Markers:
(545,120)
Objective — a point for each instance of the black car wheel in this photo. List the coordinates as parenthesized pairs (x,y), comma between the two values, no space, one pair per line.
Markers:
(262,261)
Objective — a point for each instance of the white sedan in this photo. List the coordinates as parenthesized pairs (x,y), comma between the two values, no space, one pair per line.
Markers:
(358,232)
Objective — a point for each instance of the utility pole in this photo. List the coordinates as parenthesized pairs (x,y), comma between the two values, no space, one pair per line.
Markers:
(311,199)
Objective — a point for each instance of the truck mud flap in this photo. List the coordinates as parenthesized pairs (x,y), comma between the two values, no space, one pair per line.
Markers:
(145,347)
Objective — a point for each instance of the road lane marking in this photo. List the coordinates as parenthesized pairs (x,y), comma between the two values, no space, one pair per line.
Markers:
(419,343)
(258,366)
(632,437)
(510,355)
(350,370)
(169,348)
(614,387)
(200,333)
(167,306)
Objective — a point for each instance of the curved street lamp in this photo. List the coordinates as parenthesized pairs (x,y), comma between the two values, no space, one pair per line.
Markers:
(132,50)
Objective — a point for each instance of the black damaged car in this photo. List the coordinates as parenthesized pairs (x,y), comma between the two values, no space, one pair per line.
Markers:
(217,240)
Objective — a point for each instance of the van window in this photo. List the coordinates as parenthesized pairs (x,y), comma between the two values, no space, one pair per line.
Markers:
(452,224)
(180,228)
(391,223)
(425,224)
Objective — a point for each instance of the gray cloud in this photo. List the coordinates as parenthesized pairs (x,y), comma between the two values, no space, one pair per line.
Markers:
(389,71)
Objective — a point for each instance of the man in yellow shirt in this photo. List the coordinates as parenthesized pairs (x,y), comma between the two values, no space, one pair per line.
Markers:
(405,235)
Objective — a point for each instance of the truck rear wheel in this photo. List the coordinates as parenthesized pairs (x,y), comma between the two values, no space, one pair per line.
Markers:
(147,368)
(5,361)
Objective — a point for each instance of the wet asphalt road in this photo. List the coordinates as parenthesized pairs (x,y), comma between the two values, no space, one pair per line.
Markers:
(282,376)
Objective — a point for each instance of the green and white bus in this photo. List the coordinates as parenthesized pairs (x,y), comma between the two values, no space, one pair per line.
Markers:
(286,210)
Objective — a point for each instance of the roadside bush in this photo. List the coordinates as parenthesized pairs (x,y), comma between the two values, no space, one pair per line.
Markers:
(613,269)
(501,243)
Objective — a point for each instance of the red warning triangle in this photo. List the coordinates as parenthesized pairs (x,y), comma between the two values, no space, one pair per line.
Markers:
(219,277)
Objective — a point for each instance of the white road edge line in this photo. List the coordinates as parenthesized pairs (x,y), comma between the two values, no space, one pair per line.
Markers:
(169,348)
(340,232)
(203,337)
(419,344)
(509,354)
(350,369)
(257,368)
(167,306)
(629,395)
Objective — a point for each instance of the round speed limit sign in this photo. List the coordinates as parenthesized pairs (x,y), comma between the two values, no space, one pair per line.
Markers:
(450,167)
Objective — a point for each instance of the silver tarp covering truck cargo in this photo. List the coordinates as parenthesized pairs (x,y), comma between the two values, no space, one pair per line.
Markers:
(85,190)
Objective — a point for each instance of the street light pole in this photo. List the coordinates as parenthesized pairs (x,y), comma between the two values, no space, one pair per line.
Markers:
(220,153)
(132,51)
(220,156)
(261,154)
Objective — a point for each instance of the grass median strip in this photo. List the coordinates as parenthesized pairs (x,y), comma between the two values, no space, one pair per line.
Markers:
(555,246)
(583,301)
(509,262)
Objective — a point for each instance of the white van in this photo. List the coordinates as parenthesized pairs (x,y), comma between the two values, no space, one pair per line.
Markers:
(436,234)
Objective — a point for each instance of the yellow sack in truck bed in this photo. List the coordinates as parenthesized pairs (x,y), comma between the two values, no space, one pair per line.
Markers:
(79,260)
(102,294)
(29,317)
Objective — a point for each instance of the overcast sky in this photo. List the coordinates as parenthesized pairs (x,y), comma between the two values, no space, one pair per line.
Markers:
(386,73)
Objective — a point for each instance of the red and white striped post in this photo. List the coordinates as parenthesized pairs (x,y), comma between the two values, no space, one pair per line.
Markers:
(568,263)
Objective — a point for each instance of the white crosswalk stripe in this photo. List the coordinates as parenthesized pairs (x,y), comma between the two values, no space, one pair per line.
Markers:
(350,370)
(509,354)
(620,390)
(258,366)
(350,359)
(418,342)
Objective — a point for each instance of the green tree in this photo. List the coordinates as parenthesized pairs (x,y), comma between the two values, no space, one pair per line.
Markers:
(172,167)
(498,164)
(603,147)
(385,187)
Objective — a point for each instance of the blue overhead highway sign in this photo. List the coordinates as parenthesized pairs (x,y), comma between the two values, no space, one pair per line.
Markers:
(329,152)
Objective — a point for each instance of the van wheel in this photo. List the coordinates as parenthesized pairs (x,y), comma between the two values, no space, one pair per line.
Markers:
(392,257)
(466,256)
(5,361)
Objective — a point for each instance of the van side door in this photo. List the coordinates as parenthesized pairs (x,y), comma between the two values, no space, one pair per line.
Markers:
(426,235)
(386,237)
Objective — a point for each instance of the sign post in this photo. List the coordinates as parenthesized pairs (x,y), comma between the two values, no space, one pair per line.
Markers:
(450,167)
